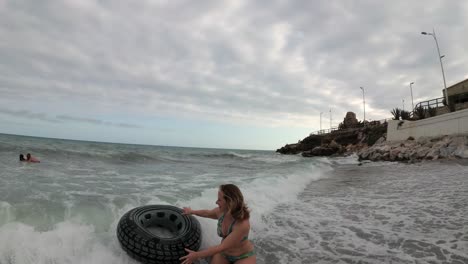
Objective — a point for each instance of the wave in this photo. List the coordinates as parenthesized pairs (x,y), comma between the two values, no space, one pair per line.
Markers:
(135,157)
(226,155)
(265,191)
(111,153)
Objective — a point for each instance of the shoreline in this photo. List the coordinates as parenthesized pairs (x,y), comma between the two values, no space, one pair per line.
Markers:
(357,141)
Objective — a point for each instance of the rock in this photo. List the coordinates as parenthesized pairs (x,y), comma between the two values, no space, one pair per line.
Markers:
(394,153)
(380,141)
(289,149)
(462,153)
(319,151)
(429,144)
(422,140)
(334,145)
(433,154)
(375,156)
(350,120)
(444,148)
(385,156)
(422,152)
(461,144)
(364,153)
(448,151)
(384,149)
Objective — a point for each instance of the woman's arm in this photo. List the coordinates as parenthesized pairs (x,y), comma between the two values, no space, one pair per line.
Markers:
(232,240)
(213,213)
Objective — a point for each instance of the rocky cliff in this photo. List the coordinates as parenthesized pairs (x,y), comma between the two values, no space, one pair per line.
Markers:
(350,137)
(368,140)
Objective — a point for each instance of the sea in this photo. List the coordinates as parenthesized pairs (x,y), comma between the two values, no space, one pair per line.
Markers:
(303,210)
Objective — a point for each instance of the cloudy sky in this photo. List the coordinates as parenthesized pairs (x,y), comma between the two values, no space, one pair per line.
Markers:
(248,74)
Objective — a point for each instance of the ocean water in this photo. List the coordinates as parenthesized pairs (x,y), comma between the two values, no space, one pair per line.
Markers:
(304,210)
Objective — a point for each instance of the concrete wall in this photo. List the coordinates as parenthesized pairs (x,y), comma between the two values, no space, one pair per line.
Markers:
(446,124)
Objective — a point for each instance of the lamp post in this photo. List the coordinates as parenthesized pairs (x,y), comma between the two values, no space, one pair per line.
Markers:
(321,122)
(433,34)
(330,121)
(363,103)
(403,102)
(411,89)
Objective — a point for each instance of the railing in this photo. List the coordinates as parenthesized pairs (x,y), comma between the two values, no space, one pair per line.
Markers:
(324,131)
(437,102)
(368,123)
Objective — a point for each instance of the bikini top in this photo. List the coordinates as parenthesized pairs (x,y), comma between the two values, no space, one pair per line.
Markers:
(220,228)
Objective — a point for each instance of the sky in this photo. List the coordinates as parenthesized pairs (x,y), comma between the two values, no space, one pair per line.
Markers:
(241,74)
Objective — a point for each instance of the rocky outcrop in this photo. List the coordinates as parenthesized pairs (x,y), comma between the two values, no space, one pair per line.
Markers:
(445,147)
(290,149)
(306,144)
(324,150)
(368,140)
(339,142)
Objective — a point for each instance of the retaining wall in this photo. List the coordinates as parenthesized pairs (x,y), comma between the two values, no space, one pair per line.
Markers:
(446,124)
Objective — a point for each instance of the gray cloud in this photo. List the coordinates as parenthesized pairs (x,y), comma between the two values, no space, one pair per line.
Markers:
(26,114)
(269,62)
(94,121)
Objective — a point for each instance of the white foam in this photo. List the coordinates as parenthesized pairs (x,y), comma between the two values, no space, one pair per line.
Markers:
(68,242)
(348,160)
(264,194)
(85,229)
(5,213)
(240,155)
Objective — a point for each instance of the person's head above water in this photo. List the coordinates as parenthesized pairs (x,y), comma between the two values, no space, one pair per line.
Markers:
(21,157)
(232,199)
(28,156)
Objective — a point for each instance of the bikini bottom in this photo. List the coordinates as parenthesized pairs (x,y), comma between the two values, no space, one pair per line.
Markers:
(233,259)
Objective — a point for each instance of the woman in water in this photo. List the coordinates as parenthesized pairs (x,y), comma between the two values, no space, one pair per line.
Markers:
(233,227)
(30,158)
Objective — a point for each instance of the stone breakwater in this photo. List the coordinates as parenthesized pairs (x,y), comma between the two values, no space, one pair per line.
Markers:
(444,147)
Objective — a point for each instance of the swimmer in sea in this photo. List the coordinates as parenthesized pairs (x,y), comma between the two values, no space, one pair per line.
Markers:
(30,158)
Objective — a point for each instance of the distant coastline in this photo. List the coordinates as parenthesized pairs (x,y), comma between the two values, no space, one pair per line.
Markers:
(440,137)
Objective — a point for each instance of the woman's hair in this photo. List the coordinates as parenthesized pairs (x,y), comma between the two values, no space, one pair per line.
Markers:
(235,201)
(21,157)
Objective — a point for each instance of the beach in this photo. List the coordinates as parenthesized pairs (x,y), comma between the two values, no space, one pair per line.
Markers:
(303,210)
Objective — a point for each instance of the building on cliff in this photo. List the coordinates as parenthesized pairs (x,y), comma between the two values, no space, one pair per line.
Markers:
(458,95)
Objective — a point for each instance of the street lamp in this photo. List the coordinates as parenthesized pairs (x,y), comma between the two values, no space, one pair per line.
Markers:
(330,120)
(363,103)
(411,89)
(433,34)
(403,102)
(321,122)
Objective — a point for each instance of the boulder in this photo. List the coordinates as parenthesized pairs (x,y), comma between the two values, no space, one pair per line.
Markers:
(318,151)
(289,149)
(421,152)
(380,141)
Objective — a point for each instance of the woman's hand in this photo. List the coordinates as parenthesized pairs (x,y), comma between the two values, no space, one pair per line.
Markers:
(190,257)
(187,210)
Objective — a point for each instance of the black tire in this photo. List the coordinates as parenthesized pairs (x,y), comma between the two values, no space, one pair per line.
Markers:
(134,233)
